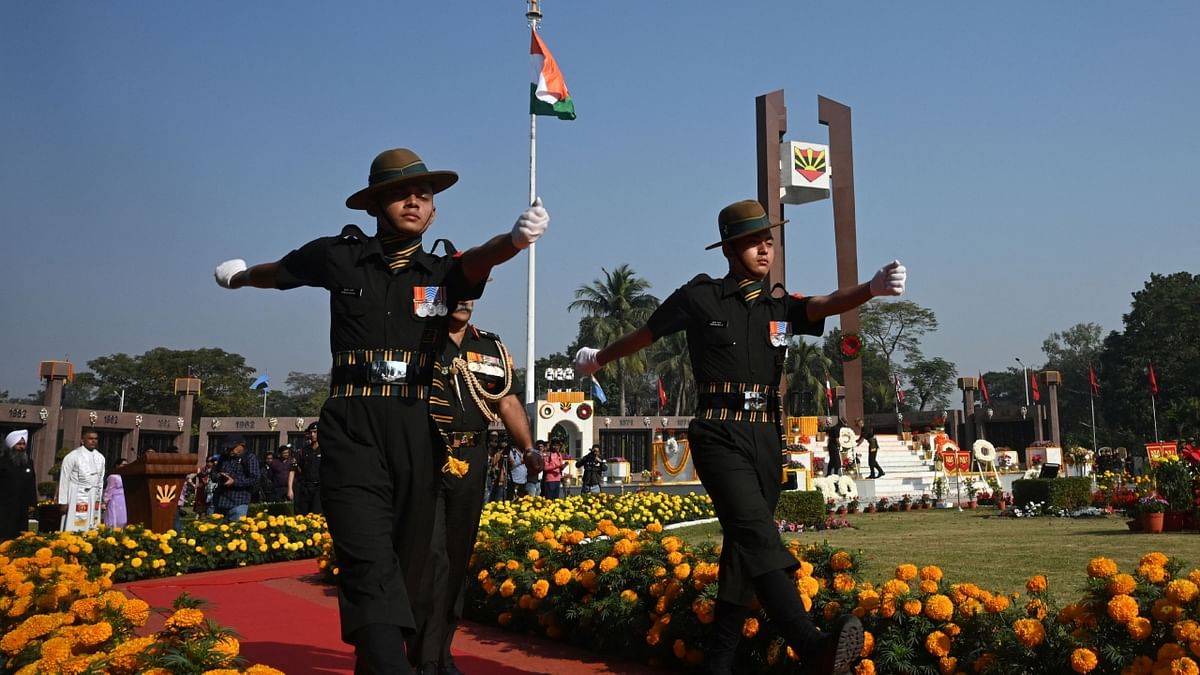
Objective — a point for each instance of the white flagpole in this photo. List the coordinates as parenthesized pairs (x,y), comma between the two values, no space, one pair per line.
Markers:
(1154,413)
(534,16)
(1093,399)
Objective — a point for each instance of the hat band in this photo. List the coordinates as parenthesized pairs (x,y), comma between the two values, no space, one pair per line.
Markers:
(414,168)
(744,227)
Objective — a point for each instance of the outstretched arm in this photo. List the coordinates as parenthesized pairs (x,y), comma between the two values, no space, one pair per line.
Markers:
(588,360)
(477,263)
(889,280)
(235,274)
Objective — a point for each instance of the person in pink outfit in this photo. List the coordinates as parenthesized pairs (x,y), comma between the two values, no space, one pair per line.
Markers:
(552,476)
(114,499)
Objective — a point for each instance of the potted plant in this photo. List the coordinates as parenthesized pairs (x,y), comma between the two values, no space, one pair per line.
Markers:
(883,504)
(852,507)
(1152,507)
(972,490)
(925,501)
(939,491)
(1002,501)
(906,503)
(830,506)
(870,508)
(1174,484)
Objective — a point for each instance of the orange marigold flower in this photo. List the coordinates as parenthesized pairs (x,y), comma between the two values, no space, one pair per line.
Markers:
(562,577)
(1036,584)
(912,607)
(185,617)
(1184,666)
(984,661)
(1122,584)
(541,587)
(1186,631)
(1170,651)
(869,600)
(682,571)
(947,665)
(939,608)
(931,573)
(895,587)
(1181,591)
(627,596)
(1083,660)
(928,586)
(750,627)
(1152,573)
(504,618)
(507,588)
(136,611)
(996,604)
(1139,628)
(533,554)
(1029,632)
(1101,568)
(679,648)
(841,561)
(1122,608)
(906,571)
(1154,558)
(843,583)
(868,644)
(1164,610)
(608,563)
(865,667)
(937,643)
(951,629)
(228,645)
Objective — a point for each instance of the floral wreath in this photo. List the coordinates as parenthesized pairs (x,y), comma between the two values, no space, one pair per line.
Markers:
(850,346)
(584,411)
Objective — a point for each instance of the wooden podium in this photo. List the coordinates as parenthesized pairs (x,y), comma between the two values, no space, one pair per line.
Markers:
(153,483)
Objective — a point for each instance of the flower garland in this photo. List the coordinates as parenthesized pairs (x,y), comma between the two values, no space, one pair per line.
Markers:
(850,346)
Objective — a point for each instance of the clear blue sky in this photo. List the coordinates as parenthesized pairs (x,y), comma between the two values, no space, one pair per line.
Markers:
(1032,163)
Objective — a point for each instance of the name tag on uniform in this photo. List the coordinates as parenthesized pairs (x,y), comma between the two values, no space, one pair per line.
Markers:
(430,301)
(716,323)
(780,333)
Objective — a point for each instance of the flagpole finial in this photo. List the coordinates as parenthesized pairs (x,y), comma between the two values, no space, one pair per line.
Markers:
(534,13)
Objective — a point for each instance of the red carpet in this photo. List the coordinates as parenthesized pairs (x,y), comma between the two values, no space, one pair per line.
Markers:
(288,619)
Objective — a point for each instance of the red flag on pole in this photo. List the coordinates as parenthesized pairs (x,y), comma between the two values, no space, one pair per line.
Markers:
(899,391)
(1037,394)
(1153,380)
(983,390)
(1093,381)
(662,394)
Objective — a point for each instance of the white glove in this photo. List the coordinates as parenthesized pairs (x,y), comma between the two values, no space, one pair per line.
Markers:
(889,280)
(225,271)
(531,225)
(585,360)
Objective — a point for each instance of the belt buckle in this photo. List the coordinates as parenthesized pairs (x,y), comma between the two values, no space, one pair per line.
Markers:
(388,372)
(755,401)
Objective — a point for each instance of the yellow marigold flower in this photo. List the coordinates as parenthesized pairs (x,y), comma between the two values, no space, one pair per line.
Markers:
(671,544)
(912,607)
(587,565)
(868,644)
(654,527)
(1152,573)
(931,573)
(1122,608)
(609,562)
(185,618)
(928,586)
(1154,558)
(939,608)
(841,561)
(808,586)
(136,611)
(937,643)
(996,604)
(906,571)
(1083,660)
(895,587)
(1101,568)
(628,596)
(1122,584)
(507,588)
(562,577)
(843,583)
(805,569)
(951,629)
(1036,584)
(1029,632)
(533,554)
(682,571)
(865,667)
(1181,591)
(512,565)
(540,588)
(1138,627)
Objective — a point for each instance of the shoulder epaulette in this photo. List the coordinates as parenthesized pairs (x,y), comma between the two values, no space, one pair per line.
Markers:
(484,334)
(352,231)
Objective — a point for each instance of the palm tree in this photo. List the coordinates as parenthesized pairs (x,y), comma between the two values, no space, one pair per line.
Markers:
(673,363)
(621,304)
(807,368)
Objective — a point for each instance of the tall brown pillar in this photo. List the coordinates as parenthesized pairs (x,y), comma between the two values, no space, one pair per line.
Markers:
(1053,382)
(841,160)
(843,411)
(56,374)
(187,388)
(968,386)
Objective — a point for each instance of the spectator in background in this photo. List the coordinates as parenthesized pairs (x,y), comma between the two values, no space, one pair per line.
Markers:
(518,475)
(81,484)
(499,464)
(237,476)
(115,514)
(278,470)
(593,466)
(304,482)
(18,486)
(554,462)
(535,464)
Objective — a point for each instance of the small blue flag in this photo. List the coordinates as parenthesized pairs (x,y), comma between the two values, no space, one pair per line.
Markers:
(263,382)
(597,391)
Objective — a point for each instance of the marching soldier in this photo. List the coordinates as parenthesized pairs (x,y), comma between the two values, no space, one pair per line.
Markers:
(389,302)
(304,482)
(738,334)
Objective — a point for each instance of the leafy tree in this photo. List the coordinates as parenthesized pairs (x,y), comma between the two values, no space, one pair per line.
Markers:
(303,397)
(895,326)
(879,390)
(931,381)
(806,369)
(1072,352)
(148,381)
(1006,388)
(673,363)
(622,304)
(1161,326)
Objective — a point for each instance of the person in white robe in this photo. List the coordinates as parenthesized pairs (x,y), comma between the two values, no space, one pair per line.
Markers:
(81,485)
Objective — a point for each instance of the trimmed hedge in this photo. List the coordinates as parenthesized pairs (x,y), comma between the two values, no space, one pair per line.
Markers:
(806,506)
(1064,493)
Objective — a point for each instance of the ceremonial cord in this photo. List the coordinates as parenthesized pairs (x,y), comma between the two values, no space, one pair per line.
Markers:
(458,366)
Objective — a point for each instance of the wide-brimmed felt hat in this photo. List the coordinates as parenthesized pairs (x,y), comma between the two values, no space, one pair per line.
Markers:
(740,219)
(397,167)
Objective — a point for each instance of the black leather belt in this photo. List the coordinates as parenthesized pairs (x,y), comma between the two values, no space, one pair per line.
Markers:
(375,373)
(748,401)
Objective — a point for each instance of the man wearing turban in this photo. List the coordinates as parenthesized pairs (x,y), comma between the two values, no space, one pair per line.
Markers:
(18,486)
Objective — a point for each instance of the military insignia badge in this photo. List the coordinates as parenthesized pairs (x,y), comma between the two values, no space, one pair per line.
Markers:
(780,333)
(430,301)
(810,163)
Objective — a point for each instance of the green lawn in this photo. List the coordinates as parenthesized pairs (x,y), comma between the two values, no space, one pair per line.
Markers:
(996,553)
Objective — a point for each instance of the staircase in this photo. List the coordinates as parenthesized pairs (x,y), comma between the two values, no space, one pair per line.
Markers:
(905,472)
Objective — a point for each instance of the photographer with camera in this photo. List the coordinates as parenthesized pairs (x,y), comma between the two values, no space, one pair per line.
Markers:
(237,477)
(593,466)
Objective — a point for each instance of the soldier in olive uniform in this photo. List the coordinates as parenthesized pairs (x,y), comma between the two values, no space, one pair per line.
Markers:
(738,334)
(470,390)
(389,304)
(304,483)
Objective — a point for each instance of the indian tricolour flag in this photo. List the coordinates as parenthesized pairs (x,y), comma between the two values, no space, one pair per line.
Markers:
(548,93)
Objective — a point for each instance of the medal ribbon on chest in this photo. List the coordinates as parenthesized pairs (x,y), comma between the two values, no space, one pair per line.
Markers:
(430,301)
(780,333)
